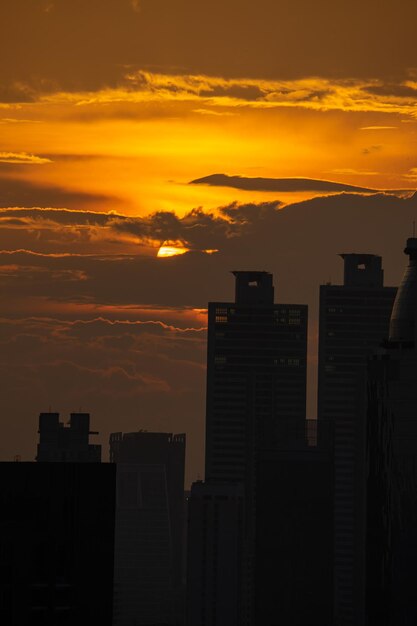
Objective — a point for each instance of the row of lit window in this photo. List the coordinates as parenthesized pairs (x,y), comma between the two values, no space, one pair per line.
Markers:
(221,314)
(221,360)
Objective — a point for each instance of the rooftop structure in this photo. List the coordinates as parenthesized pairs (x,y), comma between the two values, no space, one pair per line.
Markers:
(362,270)
(59,442)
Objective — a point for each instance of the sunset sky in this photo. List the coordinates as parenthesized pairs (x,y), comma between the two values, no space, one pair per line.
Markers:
(109,109)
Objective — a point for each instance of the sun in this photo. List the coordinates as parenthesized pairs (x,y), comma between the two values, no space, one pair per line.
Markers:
(172,248)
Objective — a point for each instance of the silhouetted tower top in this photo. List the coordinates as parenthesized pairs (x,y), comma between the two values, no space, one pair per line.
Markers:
(256,375)
(404,313)
(69,442)
(145,447)
(363,270)
(254,288)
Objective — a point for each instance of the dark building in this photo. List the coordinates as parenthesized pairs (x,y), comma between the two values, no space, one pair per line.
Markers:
(256,380)
(149,549)
(354,320)
(294,532)
(256,374)
(215,538)
(392,464)
(59,442)
(56,543)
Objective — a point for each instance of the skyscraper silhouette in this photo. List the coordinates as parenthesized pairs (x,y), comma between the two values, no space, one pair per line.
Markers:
(354,320)
(392,462)
(256,374)
(149,528)
(256,382)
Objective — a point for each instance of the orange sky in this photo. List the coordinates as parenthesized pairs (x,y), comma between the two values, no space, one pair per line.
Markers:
(129,100)
(140,155)
(109,109)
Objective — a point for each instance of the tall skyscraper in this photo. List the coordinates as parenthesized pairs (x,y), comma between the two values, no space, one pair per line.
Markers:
(354,320)
(392,463)
(256,380)
(59,442)
(149,555)
(256,374)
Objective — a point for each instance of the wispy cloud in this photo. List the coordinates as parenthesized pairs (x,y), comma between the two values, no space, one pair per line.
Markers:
(23,158)
(212,112)
(411,174)
(352,171)
(14,120)
(317,93)
(378,127)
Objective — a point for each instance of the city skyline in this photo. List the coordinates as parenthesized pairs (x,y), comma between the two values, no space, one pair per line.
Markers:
(242,137)
(283,518)
(195,464)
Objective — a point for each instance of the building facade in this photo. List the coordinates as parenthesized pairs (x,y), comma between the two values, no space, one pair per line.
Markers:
(392,463)
(215,527)
(256,380)
(256,374)
(149,582)
(56,543)
(294,534)
(354,321)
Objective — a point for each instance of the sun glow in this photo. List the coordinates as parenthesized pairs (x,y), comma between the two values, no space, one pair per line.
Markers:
(171,250)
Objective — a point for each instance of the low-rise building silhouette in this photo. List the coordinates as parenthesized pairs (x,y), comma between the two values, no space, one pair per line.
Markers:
(56,543)
(59,442)
(149,548)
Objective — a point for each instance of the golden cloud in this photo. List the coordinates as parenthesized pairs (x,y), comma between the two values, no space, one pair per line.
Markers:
(378,127)
(22,158)
(316,93)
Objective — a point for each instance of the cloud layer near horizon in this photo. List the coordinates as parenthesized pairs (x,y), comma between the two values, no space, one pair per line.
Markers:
(277,184)
(269,226)
(93,318)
